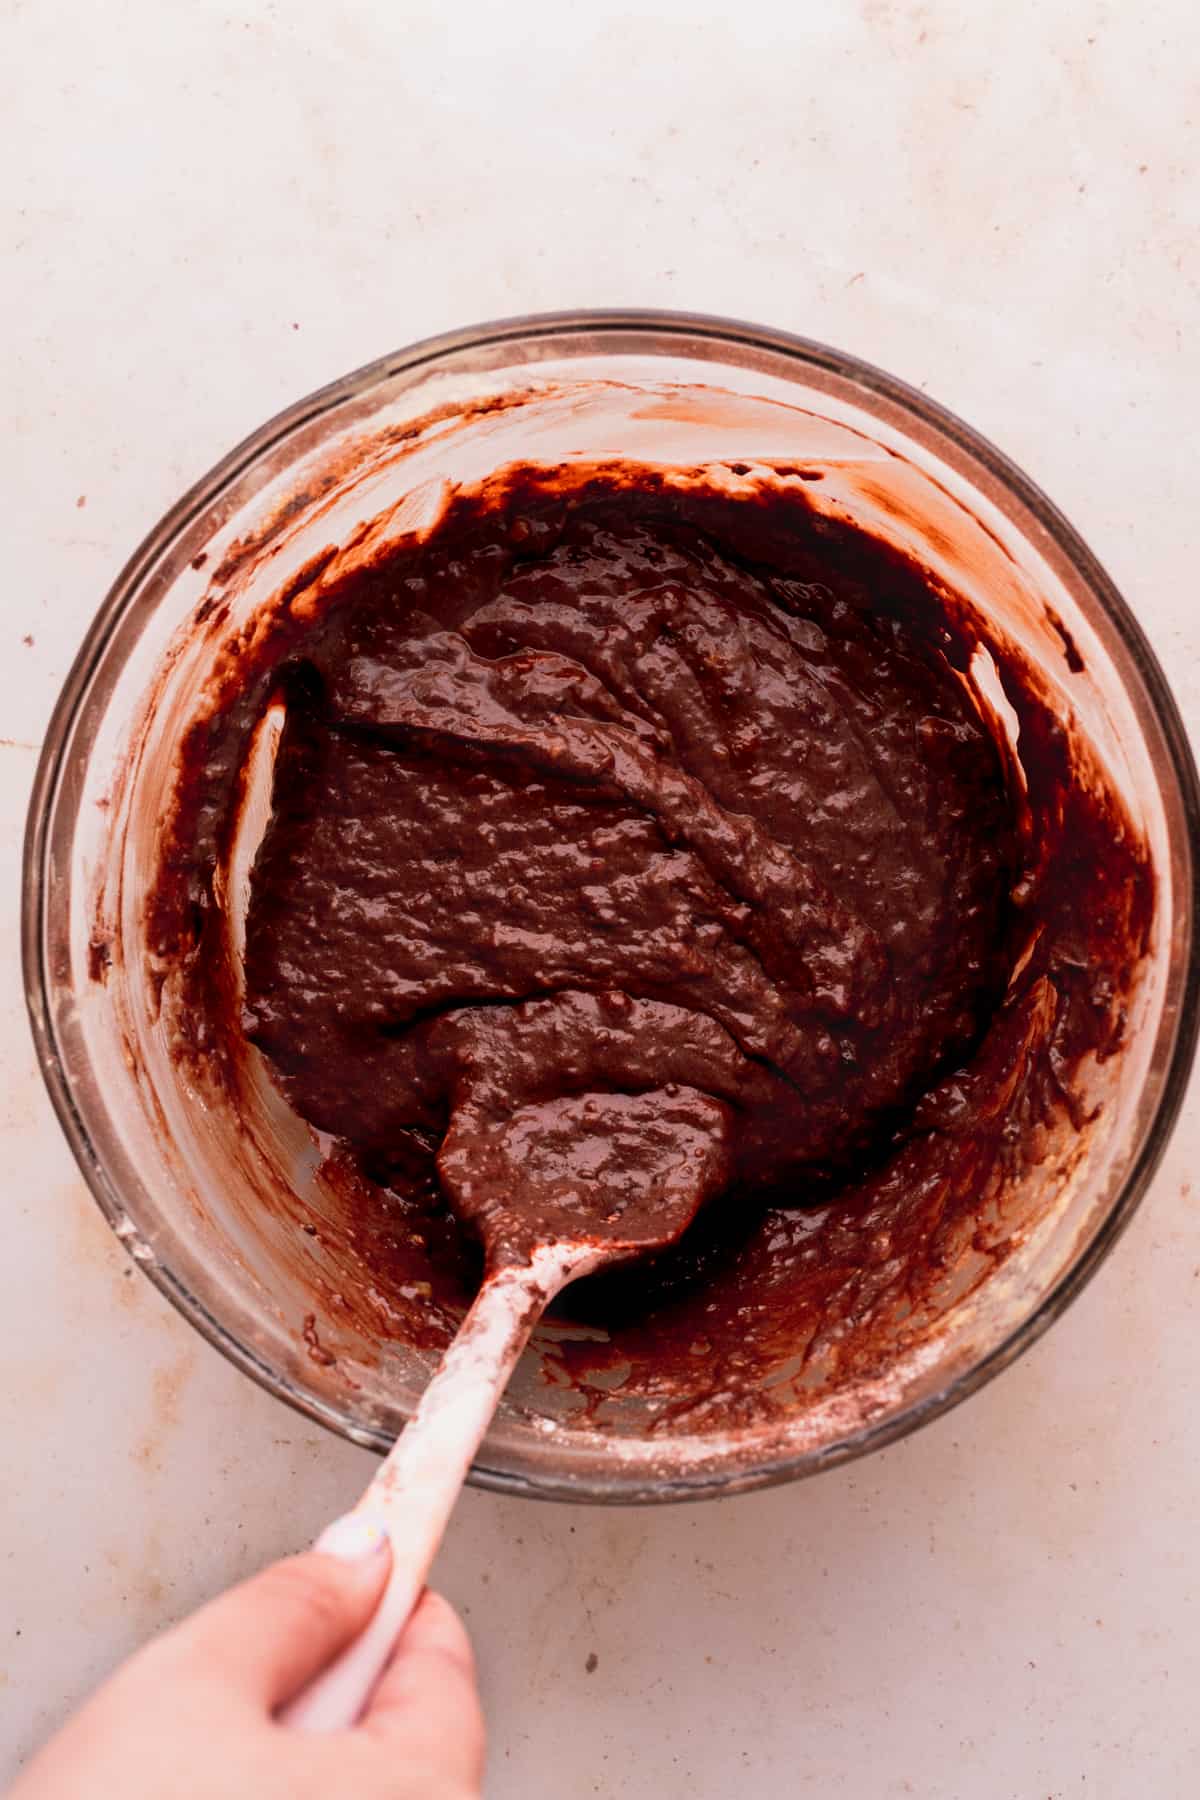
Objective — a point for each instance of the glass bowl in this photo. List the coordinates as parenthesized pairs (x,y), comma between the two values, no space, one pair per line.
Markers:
(176,1174)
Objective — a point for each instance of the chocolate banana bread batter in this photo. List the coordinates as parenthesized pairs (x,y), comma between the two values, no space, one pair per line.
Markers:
(620,807)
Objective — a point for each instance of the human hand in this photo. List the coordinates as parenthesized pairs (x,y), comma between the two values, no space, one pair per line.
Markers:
(191,1717)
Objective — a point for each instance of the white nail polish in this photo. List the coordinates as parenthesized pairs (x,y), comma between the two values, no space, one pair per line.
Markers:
(353,1538)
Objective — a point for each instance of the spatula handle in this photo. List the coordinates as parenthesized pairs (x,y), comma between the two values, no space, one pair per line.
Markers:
(413,1493)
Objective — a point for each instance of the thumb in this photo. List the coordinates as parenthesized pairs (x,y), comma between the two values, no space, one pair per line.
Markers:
(269,1637)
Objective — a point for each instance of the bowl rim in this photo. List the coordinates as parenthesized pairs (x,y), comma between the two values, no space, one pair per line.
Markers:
(600,323)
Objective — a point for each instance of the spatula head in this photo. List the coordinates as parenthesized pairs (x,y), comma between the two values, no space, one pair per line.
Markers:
(623,1173)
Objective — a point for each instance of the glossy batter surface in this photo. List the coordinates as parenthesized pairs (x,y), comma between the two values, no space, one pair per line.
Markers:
(583,807)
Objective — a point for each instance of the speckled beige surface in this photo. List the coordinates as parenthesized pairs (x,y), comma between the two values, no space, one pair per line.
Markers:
(210,210)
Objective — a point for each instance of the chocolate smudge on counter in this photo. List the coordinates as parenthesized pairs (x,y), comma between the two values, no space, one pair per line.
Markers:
(794,676)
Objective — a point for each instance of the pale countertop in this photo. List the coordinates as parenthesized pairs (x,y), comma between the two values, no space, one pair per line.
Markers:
(211,209)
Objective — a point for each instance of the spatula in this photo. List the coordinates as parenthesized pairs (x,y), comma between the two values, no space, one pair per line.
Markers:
(556,1190)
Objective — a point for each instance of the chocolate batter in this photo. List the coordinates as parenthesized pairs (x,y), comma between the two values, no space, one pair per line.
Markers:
(621,825)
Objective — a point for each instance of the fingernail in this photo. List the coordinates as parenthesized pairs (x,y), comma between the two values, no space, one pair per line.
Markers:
(354,1538)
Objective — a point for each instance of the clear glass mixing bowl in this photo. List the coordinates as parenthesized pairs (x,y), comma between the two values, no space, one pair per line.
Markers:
(381,446)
